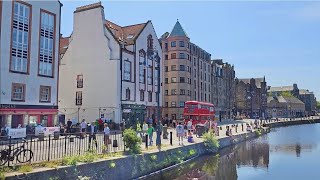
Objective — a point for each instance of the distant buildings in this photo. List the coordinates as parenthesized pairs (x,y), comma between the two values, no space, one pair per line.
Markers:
(29,37)
(109,71)
(251,97)
(305,96)
(282,106)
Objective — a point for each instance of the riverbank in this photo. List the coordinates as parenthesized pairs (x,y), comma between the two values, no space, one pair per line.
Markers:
(135,166)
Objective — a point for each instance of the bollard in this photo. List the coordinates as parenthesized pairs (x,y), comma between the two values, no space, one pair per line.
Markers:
(171,138)
(242,127)
(146,141)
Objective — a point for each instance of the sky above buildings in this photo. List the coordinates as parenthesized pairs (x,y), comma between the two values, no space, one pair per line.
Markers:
(279,40)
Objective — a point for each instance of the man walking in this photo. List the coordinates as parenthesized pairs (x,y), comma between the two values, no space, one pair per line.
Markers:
(92,131)
(69,123)
(150,134)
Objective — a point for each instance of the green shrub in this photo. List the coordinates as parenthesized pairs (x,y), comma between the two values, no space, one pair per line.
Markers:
(88,157)
(258,132)
(133,142)
(112,165)
(153,157)
(211,141)
(192,152)
(51,164)
(25,168)
(2,176)
(70,160)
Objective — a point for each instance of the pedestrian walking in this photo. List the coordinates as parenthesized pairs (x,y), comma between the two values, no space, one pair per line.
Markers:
(69,123)
(150,134)
(106,132)
(144,128)
(92,131)
(83,127)
(180,133)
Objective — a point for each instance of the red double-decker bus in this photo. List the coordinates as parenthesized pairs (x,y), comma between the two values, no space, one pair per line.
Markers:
(199,112)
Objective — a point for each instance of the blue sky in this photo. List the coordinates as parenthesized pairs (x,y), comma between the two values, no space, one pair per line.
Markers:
(279,40)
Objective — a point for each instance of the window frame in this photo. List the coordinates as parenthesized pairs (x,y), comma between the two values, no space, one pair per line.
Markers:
(53,45)
(181,43)
(29,38)
(141,95)
(23,99)
(128,94)
(40,94)
(79,100)
(124,70)
(149,96)
(173,44)
(173,104)
(173,56)
(175,81)
(80,81)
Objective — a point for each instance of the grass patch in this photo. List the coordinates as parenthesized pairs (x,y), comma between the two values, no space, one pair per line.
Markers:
(25,168)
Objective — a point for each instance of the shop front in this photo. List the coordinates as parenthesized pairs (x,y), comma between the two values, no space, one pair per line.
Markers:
(15,117)
(133,113)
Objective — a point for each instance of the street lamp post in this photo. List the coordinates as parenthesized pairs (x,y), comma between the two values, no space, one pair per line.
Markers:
(157,59)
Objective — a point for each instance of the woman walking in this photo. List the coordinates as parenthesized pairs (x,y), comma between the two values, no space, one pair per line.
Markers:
(106,131)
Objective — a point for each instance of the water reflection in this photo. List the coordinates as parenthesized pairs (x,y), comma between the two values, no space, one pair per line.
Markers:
(264,158)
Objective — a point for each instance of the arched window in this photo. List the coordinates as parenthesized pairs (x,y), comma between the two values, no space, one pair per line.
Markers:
(127,94)
(150,42)
(142,63)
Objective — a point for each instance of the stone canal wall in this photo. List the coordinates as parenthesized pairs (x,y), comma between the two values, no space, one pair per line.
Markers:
(292,122)
(130,167)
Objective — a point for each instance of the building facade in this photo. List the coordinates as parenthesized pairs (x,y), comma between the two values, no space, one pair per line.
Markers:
(187,72)
(251,97)
(29,55)
(223,88)
(119,77)
(281,106)
(304,95)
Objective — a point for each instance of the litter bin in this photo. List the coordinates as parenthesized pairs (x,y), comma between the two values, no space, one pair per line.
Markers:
(56,135)
(41,136)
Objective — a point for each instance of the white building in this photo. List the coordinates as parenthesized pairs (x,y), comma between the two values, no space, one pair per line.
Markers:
(115,67)
(29,54)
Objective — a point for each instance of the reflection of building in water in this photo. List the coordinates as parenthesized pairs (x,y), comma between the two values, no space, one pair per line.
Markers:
(292,148)
(253,154)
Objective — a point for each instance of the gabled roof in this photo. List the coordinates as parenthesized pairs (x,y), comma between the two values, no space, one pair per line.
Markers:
(178,31)
(304,91)
(283,99)
(64,42)
(126,34)
(258,81)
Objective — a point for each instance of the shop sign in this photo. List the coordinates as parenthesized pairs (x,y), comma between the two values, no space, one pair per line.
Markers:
(9,106)
(46,130)
(17,133)
(127,110)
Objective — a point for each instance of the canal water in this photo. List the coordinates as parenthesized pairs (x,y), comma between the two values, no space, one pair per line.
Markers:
(286,153)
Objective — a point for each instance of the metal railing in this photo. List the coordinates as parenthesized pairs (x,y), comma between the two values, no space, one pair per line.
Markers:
(55,147)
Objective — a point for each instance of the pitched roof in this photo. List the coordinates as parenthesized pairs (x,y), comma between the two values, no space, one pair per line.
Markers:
(282,88)
(64,42)
(258,81)
(178,30)
(304,91)
(283,99)
(125,34)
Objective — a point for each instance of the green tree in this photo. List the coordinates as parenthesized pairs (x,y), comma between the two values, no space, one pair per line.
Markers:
(286,94)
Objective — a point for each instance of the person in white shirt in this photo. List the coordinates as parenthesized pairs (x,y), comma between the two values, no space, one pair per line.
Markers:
(83,126)
(106,132)
(189,125)
(144,128)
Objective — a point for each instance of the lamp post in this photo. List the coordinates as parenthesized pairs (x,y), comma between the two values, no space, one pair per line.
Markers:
(157,60)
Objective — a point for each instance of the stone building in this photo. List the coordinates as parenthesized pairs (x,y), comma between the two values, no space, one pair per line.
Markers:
(251,97)
(304,95)
(281,106)
(187,71)
(109,71)
(29,56)
(223,88)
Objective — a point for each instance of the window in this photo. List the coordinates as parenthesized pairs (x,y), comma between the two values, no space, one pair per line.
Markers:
(166,92)
(166,57)
(18,92)
(173,104)
(150,42)
(195,84)
(209,88)
(150,96)
(205,86)
(181,43)
(205,76)
(127,70)
(181,104)
(182,80)
(173,80)
(45,94)
(182,92)
(209,98)
(166,80)
(127,94)
(182,68)
(195,95)
(173,91)
(157,97)
(201,75)
(79,81)
(173,56)
(188,69)
(195,73)
(204,66)
(189,93)
(194,62)
(173,67)
(166,69)
(79,98)
(188,57)
(200,85)
(47,43)
(166,46)
(156,71)
(20,50)
(150,75)
(166,104)
(200,64)
(173,44)
(141,95)
(205,97)
(181,56)
(142,63)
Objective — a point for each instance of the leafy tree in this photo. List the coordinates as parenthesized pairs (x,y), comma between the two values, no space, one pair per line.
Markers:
(286,94)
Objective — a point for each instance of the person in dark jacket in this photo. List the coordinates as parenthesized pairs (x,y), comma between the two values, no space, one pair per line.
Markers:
(92,131)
